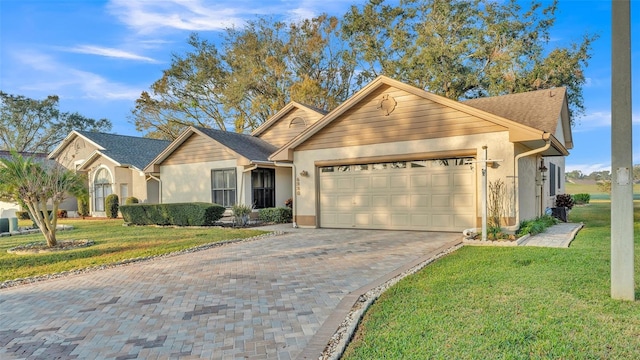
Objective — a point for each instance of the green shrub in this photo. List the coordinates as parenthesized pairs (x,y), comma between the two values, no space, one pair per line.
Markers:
(23,215)
(581,199)
(564,200)
(83,207)
(278,215)
(131,200)
(536,226)
(111,206)
(179,214)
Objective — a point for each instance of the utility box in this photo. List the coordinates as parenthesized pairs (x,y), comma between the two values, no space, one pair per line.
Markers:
(4,225)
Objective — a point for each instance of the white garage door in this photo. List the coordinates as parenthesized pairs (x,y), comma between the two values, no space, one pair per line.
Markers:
(435,195)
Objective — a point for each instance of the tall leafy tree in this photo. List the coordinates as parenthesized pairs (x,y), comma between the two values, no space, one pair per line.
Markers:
(466,48)
(259,69)
(30,125)
(35,185)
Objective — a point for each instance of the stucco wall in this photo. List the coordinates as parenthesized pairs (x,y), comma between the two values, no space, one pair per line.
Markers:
(498,145)
(284,187)
(191,182)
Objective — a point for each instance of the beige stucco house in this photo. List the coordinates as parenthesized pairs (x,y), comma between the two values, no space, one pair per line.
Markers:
(228,168)
(113,164)
(397,157)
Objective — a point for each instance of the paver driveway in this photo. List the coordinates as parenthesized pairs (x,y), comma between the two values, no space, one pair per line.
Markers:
(262,299)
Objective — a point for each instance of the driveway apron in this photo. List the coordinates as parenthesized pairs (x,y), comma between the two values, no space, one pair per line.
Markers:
(261,299)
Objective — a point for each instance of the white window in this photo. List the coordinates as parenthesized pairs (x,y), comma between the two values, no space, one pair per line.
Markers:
(223,187)
(101,189)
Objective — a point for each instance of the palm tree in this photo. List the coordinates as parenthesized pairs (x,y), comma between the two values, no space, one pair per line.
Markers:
(34,185)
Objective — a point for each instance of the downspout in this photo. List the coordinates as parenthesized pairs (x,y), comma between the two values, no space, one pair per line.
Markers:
(159,187)
(515,177)
(293,185)
(241,192)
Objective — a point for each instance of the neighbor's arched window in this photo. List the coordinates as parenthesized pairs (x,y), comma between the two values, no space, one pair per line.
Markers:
(101,189)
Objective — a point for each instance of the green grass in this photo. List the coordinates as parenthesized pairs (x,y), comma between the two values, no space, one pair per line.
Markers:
(113,243)
(509,303)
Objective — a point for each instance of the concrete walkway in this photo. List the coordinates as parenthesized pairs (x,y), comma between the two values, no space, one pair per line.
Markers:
(559,235)
(279,297)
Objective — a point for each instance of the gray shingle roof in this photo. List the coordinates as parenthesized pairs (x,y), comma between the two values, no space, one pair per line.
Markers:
(7,155)
(130,150)
(250,147)
(538,109)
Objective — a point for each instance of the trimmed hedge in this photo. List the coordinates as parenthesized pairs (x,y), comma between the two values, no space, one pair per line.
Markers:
(131,200)
(179,214)
(112,204)
(278,215)
(83,207)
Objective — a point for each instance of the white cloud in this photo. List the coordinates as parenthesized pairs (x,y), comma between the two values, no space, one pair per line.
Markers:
(147,16)
(588,168)
(110,52)
(41,73)
(592,120)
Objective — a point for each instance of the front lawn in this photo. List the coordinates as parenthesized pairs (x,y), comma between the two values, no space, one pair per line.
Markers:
(509,303)
(113,243)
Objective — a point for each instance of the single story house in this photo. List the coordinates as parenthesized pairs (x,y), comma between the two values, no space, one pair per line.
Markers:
(397,157)
(113,164)
(391,157)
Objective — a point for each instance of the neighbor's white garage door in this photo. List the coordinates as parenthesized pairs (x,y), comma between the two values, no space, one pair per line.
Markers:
(435,195)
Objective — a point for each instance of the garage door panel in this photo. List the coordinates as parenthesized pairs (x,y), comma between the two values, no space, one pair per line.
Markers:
(328,184)
(345,184)
(362,183)
(419,181)
(399,201)
(328,200)
(399,220)
(344,202)
(419,201)
(465,221)
(379,182)
(380,201)
(329,219)
(440,180)
(399,181)
(462,200)
(443,200)
(344,219)
(362,201)
(443,220)
(380,220)
(362,220)
(462,180)
(420,221)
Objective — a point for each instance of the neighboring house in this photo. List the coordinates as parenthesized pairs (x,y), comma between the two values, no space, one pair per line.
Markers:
(8,209)
(397,157)
(229,168)
(113,164)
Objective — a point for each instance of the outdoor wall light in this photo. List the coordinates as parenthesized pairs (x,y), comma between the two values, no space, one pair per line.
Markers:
(304,173)
(543,169)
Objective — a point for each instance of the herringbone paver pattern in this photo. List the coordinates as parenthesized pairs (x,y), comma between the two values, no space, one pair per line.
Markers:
(261,299)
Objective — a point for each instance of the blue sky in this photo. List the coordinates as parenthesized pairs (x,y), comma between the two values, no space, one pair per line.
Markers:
(99,55)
